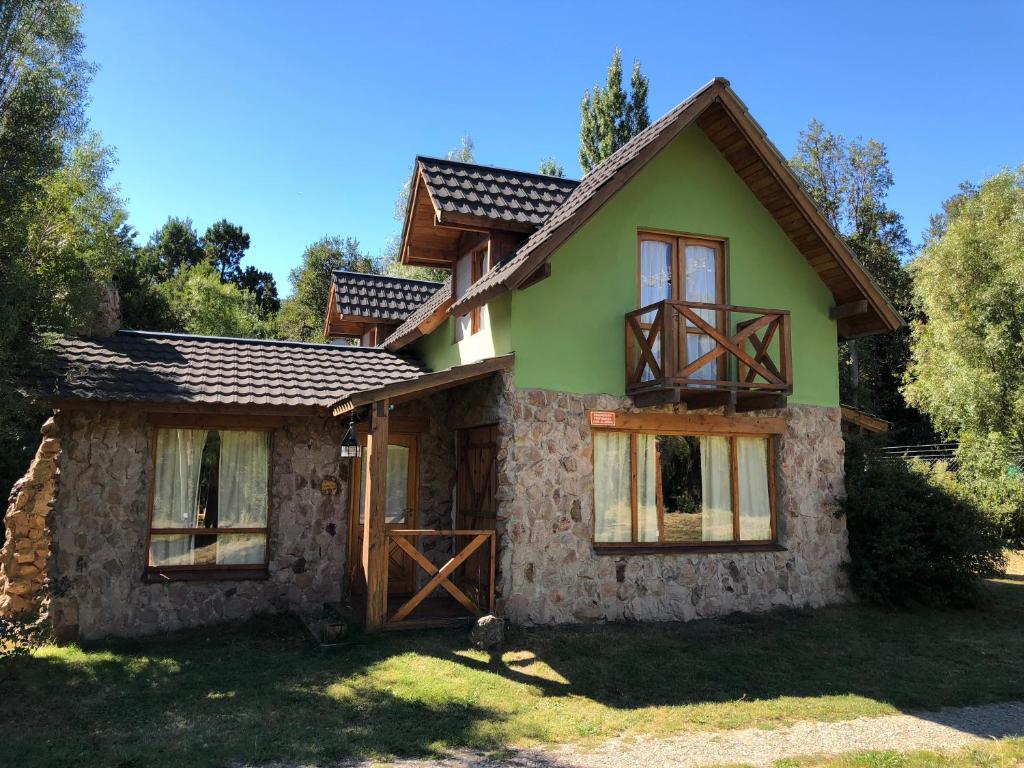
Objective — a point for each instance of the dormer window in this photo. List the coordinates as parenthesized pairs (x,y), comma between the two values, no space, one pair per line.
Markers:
(468,269)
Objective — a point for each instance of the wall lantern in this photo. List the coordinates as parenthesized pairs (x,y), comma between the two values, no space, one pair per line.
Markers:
(350,443)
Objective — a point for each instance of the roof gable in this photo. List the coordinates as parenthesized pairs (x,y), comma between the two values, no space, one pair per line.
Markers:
(359,294)
(729,126)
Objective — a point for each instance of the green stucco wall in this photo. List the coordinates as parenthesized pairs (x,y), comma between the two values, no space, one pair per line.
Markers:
(568,331)
(439,351)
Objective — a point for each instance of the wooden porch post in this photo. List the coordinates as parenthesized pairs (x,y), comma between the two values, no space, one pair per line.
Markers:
(375,545)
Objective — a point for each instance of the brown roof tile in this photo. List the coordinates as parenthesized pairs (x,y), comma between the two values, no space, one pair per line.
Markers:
(380,296)
(140,366)
(407,331)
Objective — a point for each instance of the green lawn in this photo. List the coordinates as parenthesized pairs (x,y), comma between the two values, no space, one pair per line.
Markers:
(261,692)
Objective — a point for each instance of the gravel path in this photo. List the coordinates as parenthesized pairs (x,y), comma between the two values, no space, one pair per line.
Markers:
(945,730)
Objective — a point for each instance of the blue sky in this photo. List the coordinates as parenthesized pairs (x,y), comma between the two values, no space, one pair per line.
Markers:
(298,120)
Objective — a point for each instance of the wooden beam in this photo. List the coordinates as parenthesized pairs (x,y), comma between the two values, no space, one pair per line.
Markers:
(423,255)
(481,223)
(189,408)
(656,397)
(435,318)
(760,403)
(696,423)
(850,309)
(725,398)
(375,552)
(542,273)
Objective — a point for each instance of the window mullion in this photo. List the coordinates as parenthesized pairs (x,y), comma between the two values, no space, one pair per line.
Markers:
(734,479)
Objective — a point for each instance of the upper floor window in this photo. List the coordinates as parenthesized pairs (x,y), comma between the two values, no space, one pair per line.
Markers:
(679,489)
(468,270)
(210,501)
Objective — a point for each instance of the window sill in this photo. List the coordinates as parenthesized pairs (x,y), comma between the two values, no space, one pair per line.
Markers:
(163,576)
(686,549)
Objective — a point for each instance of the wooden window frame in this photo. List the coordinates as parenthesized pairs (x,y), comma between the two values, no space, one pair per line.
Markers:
(678,242)
(662,424)
(216,572)
(479,266)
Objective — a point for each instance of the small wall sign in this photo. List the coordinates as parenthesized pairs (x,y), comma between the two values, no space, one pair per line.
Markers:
(329,486)
(602,418)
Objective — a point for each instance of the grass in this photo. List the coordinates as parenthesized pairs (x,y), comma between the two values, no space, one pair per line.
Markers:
(260,692)
(1008,753)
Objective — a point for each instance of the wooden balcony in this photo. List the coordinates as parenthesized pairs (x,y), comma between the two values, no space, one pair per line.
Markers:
(708,355)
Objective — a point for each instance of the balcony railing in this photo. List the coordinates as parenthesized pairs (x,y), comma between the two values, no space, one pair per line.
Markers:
(708,354)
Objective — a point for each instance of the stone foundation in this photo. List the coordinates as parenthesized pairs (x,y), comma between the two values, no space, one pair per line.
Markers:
(100,523)
(27,543)
(550,572)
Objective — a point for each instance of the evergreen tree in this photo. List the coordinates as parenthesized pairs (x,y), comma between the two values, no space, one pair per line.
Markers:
(225,245)
(175,246)
(550,168)
(609,117)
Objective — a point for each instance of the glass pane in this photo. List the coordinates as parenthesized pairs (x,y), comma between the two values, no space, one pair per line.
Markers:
(398,484)
(702,286)
(655,285)
(207,550)
(755,504)
(241,483)
(179,480)
(678,488)
(463,280)
(612,512)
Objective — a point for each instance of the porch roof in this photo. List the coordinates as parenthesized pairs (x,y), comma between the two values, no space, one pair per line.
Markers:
(424,384)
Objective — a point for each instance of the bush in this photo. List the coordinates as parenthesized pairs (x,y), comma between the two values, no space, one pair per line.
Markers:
(914,536)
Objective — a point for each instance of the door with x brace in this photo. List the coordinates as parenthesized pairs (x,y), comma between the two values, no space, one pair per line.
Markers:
(475,506)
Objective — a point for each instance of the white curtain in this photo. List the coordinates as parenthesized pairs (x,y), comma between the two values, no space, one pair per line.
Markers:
(755,506)
(242,495)
(612,509)
(398,484)
(655,285)
(701,286)
(463,280)
(647,487)
(179,454)
(716,490)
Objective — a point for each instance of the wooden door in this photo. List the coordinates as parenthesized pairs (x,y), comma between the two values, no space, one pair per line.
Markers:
(400,512)
(475,505)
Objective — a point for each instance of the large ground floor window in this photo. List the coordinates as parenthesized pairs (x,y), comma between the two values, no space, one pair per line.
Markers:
(210,501)
(699,490)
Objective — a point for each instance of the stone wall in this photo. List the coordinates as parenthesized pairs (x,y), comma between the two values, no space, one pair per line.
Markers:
(27,540)
(550,572)
(100,523)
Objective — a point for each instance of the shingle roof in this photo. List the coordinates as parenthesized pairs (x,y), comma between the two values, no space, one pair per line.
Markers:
(494,193)
(380,296)
(141,366)
(407,331)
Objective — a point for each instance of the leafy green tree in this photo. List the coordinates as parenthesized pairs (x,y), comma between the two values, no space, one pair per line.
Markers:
(967,344)
(174,247)
(225,245)
(551,168)
(849,182)
(303,313)
(609,117)
(204,304)
(263,287)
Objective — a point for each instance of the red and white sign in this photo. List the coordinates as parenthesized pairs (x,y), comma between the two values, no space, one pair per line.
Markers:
(602,418)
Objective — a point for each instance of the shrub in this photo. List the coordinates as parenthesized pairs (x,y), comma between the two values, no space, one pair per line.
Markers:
(914,537)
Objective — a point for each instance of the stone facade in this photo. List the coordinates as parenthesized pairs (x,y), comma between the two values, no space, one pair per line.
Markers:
(100,523)
(89,538)
(550,572)
(27,543)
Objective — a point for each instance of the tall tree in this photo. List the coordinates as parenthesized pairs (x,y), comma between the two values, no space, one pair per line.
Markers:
(849,182)
(263,287)
(551,168)
(175,246)
(43,83)
(609,117)
(225,245)
(303,313)
(967,371)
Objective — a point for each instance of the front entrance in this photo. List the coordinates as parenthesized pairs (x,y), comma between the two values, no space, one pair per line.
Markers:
(400,510)
(475,504)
